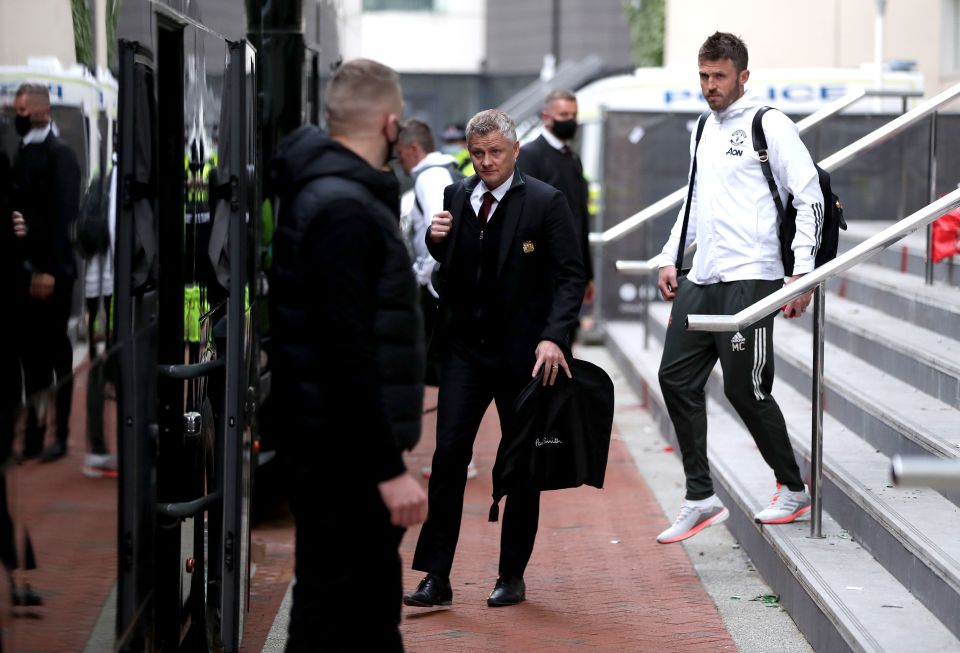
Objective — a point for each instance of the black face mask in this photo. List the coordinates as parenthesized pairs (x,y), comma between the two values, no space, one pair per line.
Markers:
(22,125)
(564,129)
(391,149)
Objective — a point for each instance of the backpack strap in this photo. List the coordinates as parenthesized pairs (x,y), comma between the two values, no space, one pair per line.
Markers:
(450,167)
(693,175)
(760,145)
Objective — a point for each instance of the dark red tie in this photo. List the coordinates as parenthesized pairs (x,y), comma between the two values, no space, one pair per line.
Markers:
(485,208)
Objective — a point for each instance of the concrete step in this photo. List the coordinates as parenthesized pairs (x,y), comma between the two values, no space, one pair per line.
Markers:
(913,532)
(905,296)
(891,415)
(908,255)
(904,528)
(837,593)
(921,358)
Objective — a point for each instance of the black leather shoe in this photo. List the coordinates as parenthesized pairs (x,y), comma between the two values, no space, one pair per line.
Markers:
(507,591)
(433,590)
(55,451)
(26,596)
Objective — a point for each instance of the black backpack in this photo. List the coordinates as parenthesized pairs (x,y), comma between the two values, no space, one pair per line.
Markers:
(92,231)
(829,217)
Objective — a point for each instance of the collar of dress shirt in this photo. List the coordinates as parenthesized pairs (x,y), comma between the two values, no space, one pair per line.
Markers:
(476,197)
(36,135)
(555,142)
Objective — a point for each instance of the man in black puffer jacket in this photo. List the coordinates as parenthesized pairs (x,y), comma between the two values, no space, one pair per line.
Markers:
(348,364)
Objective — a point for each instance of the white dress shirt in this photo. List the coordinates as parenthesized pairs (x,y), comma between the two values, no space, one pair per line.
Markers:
(476,197)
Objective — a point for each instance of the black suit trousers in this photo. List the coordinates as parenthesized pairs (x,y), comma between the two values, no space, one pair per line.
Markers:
(471,378)
(48,357)
(347,563)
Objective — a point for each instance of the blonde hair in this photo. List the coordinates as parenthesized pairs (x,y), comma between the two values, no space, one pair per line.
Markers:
(358,91)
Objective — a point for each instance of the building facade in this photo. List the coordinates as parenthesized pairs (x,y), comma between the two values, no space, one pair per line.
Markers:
(825,33)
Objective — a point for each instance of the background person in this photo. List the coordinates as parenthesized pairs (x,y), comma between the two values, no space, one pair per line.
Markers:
(46,200)
(432,172)
(550,158)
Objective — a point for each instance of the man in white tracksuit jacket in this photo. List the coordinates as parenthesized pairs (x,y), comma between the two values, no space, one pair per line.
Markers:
(733,221)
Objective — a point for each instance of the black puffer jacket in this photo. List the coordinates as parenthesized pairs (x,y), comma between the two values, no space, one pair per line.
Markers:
(348,351)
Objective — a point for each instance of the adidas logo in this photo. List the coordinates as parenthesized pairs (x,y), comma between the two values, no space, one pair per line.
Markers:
(737,342)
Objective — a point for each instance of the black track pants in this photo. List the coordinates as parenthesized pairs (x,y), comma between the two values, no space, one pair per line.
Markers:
(746,359)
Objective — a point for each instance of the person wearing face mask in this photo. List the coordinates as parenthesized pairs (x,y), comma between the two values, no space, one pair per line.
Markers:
(348,363)
(45,203)
(550,158)
(455,144)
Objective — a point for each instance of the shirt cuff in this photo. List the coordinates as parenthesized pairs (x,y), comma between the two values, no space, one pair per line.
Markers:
(802,267)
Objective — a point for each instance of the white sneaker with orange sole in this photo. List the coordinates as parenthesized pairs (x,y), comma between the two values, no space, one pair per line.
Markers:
(785,507)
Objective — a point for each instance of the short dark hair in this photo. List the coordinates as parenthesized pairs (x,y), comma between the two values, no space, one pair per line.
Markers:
(723,45)
(35,91)
(419,132)
(558,94)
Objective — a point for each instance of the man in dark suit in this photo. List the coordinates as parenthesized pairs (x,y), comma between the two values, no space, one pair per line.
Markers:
(512,280)
(46,200)
(550,158)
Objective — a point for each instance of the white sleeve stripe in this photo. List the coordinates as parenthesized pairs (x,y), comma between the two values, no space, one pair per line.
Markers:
(759,360)
(818,226)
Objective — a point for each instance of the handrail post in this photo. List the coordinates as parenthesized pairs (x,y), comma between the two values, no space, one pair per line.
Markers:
(932,173)
(816,446)
(599,247)
(644,288)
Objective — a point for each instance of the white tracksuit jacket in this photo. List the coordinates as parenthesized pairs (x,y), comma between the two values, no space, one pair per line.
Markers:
(732,216)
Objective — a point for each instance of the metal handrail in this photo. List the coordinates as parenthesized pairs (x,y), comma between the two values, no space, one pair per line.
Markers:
(892,128)
(811,280)
(675,199)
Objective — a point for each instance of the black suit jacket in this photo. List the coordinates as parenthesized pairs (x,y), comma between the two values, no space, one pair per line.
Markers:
(564,172)
(540,272)
(46,190)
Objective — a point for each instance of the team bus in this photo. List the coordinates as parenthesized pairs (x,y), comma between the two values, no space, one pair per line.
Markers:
(149,550)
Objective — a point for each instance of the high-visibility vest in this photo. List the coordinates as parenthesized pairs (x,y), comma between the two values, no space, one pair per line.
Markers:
(464,162)
(198,190)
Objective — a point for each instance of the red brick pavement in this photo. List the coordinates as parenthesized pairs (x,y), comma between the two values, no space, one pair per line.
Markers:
(598,580)
(270,579)
(72,523)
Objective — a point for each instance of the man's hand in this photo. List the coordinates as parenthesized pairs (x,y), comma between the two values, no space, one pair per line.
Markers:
(405,499)
(41,285)
(668,282)
(590,293)
(550,356)
(440,226)
(798,305)
(19,224)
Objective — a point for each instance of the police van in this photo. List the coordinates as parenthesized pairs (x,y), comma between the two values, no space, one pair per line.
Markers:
(83,108)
